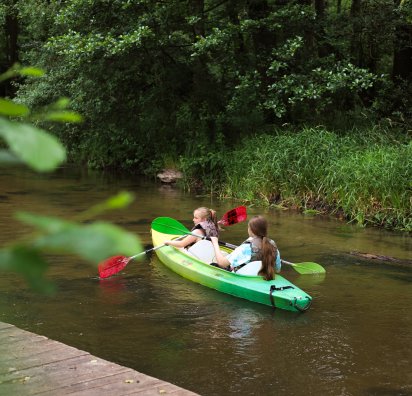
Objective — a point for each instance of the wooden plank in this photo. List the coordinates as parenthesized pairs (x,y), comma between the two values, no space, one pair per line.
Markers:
(13,333)
(32,355)
(5,325)
(32,364)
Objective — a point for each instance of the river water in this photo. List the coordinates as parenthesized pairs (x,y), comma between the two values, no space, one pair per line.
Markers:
(356,339)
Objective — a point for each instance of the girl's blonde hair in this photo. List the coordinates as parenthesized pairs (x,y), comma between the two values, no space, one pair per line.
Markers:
(208,214)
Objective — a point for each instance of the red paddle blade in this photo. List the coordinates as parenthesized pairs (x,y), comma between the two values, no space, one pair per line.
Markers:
(112,266)
(234,216)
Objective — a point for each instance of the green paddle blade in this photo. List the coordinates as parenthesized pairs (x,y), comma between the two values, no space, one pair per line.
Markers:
(167,225)
(308,268)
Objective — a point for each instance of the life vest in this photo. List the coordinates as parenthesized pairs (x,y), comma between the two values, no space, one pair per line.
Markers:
(208,227)
(256,246)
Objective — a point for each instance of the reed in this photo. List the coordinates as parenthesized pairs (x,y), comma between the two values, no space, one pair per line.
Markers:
(365,176)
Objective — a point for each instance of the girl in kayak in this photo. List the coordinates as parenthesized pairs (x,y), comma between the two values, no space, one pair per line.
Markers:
(257,247)
(205,221)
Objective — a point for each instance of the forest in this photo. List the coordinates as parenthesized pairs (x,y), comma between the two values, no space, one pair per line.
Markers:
(287,103)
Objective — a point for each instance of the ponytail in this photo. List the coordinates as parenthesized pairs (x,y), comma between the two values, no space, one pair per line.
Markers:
(209,214)
(213,218)
(259,227)
(268,258)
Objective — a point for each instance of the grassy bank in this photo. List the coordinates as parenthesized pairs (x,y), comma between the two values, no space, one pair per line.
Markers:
(364,177)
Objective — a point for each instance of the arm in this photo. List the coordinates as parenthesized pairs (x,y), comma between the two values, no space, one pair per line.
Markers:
(222,261)
(278,262)
(186,241)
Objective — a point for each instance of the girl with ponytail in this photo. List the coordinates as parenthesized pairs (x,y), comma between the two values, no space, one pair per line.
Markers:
(257,247)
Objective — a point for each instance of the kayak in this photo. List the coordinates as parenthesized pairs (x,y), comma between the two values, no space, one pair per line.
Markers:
(277,293)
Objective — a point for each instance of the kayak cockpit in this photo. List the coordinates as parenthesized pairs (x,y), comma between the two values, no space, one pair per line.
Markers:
(203,250)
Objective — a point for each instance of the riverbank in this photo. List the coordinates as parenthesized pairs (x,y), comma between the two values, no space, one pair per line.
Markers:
(362,177)
(32,364)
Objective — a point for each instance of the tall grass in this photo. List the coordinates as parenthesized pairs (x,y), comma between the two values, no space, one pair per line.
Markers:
(366,177)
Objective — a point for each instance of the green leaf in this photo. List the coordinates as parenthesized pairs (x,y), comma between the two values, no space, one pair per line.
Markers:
(9,108)
(7,75)
(6,157)
(38,149)
(31,71)
(61,103)
(118,201)
(29,263)
(93,242)
(63,116)
(45,223)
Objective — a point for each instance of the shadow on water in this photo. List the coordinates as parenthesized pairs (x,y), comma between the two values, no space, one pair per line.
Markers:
(401,271)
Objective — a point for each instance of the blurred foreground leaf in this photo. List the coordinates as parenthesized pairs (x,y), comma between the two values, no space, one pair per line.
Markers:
(93,242)
(119,201)
(29,263)
(6,157)
(40,150)
(63,116)
(9,108)
(30,71)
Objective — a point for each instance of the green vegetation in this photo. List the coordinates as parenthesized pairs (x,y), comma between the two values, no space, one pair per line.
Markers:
(362,179)
(210,85)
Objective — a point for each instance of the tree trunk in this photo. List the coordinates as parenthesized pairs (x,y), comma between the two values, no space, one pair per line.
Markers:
(239,47)
(11,30)
(199,68)
(323,48)
(356,40)
(263,39)
(402,57)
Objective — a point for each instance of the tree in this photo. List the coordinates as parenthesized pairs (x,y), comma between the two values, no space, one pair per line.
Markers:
(402,59)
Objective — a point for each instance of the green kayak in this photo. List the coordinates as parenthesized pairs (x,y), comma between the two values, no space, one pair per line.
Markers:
(278,293)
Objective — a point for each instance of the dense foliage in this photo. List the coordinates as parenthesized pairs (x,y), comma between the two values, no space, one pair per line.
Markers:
(184,82)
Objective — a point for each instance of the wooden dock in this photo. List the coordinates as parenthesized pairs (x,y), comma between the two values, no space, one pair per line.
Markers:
(31,364)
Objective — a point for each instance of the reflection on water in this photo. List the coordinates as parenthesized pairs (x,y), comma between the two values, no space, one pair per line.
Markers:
(112,289)
(355,339)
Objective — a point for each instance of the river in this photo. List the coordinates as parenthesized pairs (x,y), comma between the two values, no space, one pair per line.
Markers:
(356,339)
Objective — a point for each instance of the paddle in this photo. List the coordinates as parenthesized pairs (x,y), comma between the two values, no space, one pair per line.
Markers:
(115,264)
(234,216)
(306,268)
(167,225)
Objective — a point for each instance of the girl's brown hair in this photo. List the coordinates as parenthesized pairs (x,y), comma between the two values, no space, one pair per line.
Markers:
(259,226)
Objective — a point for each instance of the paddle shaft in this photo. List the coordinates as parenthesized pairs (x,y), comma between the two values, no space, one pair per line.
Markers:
(154,248)
(288,263)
